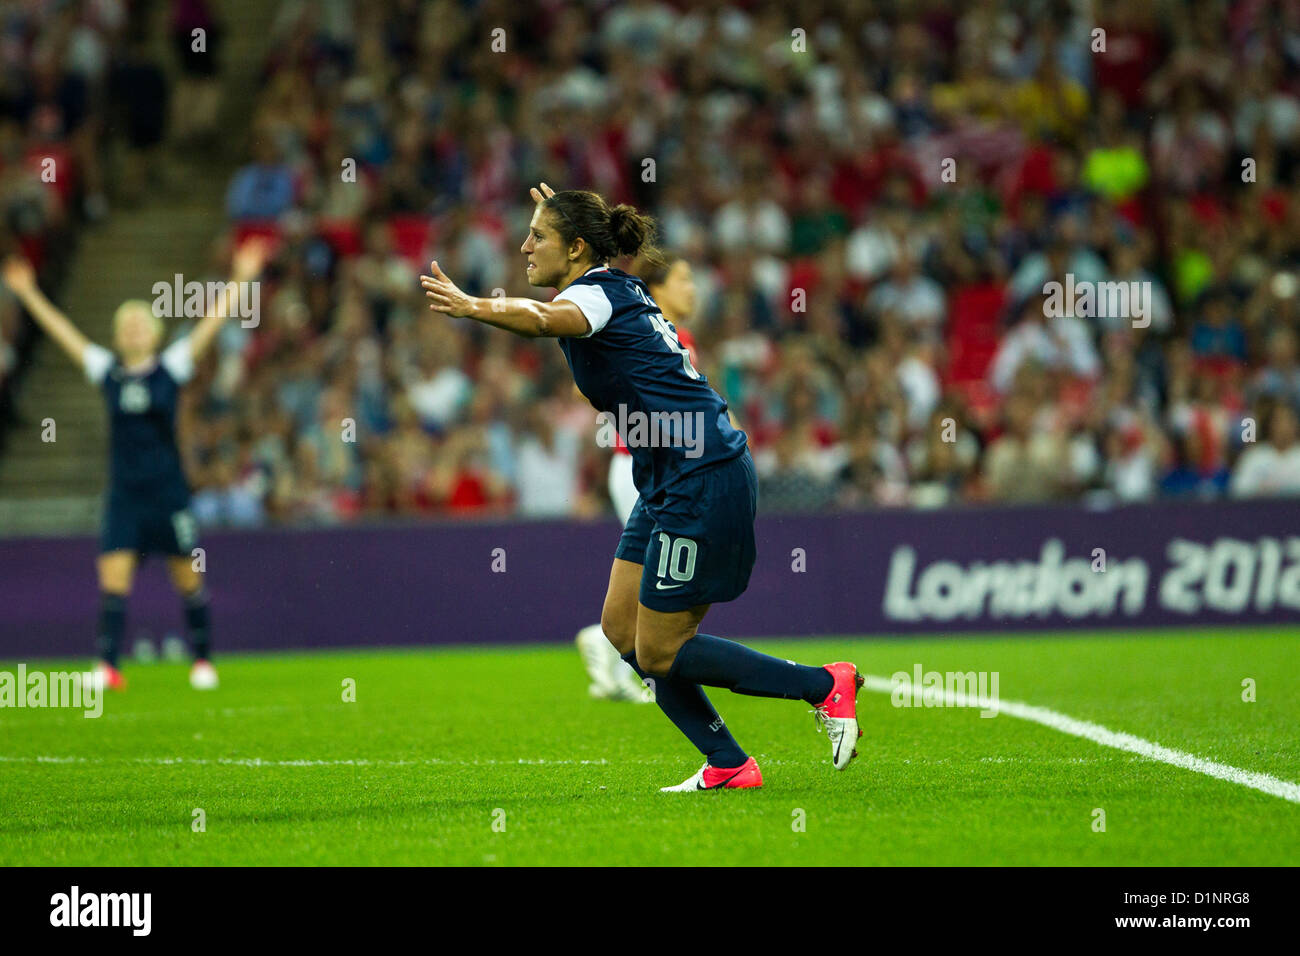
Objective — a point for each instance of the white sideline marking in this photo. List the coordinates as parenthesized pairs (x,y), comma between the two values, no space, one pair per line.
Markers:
(1098,734)
(47,718)
(260,762)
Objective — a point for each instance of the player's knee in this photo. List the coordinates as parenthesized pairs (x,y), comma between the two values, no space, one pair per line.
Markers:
(620,629)
(653,658)
(114,577)
(185,580)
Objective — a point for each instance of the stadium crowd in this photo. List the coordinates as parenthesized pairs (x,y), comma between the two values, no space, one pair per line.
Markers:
(54,66)
(84,114)
(874,197)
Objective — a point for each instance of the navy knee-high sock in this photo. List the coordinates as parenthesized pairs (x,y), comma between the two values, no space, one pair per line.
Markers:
(198,621)
(688,707)
(112,625)
(714,662)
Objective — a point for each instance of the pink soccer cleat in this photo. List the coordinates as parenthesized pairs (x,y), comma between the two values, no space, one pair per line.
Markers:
(838,713)
(715,778)
(105,675)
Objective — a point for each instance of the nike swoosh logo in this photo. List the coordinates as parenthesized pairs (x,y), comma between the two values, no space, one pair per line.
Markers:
(660,585)
(721,783)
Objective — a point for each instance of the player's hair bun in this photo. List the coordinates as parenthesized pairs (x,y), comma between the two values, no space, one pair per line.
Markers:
(631,230)
(610,232)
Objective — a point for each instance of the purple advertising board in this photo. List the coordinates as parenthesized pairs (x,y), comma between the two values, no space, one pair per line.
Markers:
(881,572)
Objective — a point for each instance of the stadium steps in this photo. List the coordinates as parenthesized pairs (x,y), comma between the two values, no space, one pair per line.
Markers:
(55,487)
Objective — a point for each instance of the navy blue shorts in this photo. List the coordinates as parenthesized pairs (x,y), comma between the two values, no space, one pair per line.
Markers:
(147,528)
(697,540)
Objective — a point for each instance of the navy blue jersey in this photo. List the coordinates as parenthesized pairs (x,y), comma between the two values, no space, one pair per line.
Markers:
(631,367)
(144,463)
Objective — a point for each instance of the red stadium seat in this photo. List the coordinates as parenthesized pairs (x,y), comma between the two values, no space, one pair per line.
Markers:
(343,235)
(411,237)
(973,331)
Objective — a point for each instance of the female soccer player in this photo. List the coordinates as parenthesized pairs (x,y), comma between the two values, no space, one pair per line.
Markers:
(672,286)
(690,538)
(147,506)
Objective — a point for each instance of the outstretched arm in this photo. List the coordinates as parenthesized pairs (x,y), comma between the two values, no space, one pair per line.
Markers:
(248,262)
(21,280)
(526,317)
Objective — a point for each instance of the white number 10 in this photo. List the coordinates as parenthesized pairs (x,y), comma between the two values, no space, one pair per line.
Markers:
(672,566)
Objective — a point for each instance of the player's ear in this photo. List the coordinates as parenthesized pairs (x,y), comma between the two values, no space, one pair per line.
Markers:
(576,249)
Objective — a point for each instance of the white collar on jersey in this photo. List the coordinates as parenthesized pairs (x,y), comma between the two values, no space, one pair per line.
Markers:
(596,269)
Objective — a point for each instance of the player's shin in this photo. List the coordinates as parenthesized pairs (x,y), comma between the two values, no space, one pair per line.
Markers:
(688,707)
(112,625)
(715,662)
(198,624)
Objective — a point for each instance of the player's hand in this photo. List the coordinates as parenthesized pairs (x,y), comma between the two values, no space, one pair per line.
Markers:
(546,192)
(18,275)
(443,295)
(250,258)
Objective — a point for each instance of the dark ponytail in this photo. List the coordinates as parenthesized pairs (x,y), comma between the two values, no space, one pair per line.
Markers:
(620,231)
(632,230)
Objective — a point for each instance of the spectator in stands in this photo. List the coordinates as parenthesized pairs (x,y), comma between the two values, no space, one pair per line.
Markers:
(1060,343)
(1024,464)
(547,470)
(1271,467)
(264,188)
(138,88)
(1279,378)
(196,37)
(1133,451)
(1187,476)
(1218,335)
(911,297)
(942,458)
(753,220)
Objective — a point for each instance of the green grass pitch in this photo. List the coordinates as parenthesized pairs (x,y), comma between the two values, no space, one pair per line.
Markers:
(442,744)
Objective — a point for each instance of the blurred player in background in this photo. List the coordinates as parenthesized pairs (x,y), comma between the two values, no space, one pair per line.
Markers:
(689,541)
(147,505)
(672,286)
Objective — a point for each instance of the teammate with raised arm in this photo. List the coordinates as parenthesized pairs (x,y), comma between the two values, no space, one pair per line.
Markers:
(146,508)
